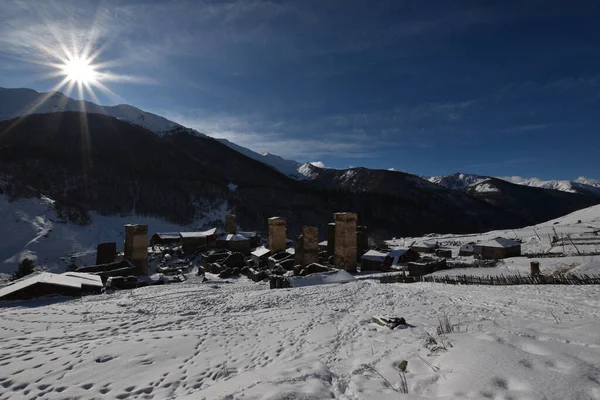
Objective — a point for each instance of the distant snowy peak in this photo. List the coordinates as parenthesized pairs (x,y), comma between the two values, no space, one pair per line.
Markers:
(309,171)
(581,185)
(458,180)
(17,102)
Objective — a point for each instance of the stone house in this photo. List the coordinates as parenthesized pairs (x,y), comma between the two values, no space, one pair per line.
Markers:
(498,248)
(165,239)
(193,241)
(467,249)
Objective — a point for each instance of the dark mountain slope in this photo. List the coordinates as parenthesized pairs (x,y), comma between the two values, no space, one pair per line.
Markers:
(100,163)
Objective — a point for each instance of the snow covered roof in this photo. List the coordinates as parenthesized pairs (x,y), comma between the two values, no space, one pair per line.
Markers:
(500,242)
(230,237)
(323,243)
(290,250)
(73,281)
(167,235)
(209,232)
(260,251)
(249,235)
(87,279)
(397,252)
(374,255)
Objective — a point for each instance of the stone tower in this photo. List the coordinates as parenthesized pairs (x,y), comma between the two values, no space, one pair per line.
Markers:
(277,234)
(307,246)
(230,225)
(136,246)
(345,241)
(330,238)
(106,252)
(362,240)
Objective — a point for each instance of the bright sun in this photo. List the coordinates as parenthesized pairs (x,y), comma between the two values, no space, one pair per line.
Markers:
(79,70)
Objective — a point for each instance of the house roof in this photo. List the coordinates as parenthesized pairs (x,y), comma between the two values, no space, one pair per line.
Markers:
(209,232)
(398,252)
(167,235)
(86,279)
(260,251)
(374,255)
(500,242)
(230,237)
(73,281)
(323,243)
(248,235)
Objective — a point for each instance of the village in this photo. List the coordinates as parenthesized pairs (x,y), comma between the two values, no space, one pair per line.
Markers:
(231,314)
(167,257)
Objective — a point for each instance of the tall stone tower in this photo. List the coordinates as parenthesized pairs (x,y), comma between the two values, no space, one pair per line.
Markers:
(277,234)
(362,239)
(310,245)
(230,225)
(345,241)
(307,246)
(331,238)
(136,246)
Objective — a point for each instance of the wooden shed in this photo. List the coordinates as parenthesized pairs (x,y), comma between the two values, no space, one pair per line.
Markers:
(373,260)
(425,246)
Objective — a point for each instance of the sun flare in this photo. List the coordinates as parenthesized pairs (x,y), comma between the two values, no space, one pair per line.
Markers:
(79,70)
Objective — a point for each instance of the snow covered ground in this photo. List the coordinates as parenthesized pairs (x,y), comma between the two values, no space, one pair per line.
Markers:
(30,228)
(237,339)
(241,340)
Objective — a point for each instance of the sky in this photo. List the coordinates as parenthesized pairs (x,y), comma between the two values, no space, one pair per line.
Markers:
(432,87)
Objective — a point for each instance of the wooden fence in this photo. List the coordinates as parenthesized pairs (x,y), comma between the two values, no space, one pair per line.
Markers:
(559,255)
(568,279)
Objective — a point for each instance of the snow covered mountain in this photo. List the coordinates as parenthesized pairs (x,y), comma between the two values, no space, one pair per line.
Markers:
(17,102)
(458,180)
(588,187)
(580,185)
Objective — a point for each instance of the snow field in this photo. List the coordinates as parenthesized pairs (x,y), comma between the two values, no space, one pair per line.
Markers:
(240,340)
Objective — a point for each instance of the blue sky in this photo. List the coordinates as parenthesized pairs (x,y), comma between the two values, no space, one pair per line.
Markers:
(429,87)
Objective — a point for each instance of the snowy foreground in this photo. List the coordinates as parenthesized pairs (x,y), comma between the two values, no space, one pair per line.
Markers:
(241,340)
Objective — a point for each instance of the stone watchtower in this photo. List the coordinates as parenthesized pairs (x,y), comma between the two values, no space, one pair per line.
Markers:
(277,234)
(136,246)
(330,238)
(307,246)
(230,225)
(345,241)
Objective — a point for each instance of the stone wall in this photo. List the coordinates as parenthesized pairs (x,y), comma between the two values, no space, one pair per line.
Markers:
(136,246)
(345,255)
